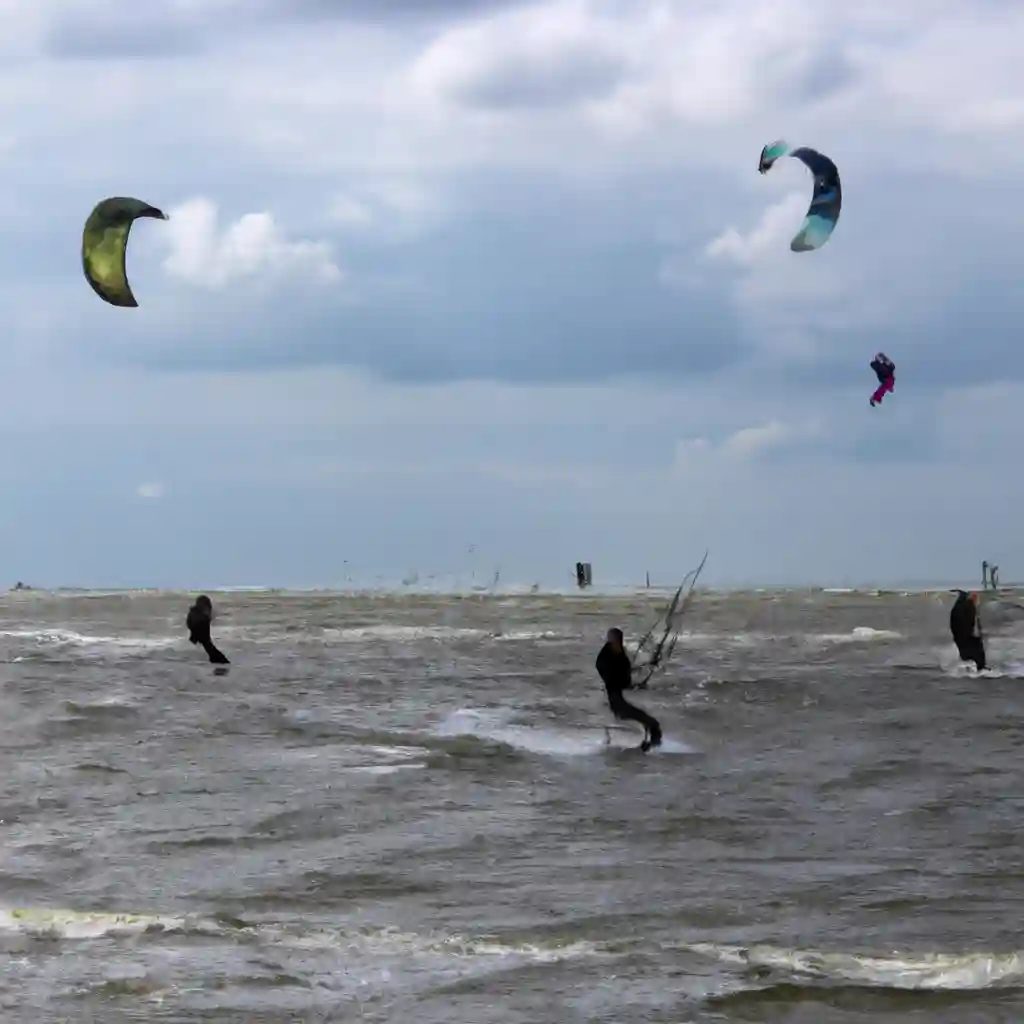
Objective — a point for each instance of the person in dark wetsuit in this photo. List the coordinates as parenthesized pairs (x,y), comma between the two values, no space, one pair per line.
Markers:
(616,672)
(885,371)
(963,624)
(199,620)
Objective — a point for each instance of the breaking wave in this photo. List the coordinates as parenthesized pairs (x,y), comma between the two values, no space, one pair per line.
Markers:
(552,740)
(958,972)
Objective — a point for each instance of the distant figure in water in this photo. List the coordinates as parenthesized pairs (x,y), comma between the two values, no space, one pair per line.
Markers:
(885,371)
(616,672)
(966,629)
(200,618)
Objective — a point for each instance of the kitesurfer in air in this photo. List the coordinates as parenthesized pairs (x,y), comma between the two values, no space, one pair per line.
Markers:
(199,620)
(885,370)
(966,629)
(616,672)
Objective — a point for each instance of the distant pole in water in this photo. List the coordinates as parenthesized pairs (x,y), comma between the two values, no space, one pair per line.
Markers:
(648,581)
(984,575)
(584,575)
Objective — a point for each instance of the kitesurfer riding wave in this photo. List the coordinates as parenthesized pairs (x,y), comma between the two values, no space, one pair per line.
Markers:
(885,370)
(616,672)
(966,629)
(198,621)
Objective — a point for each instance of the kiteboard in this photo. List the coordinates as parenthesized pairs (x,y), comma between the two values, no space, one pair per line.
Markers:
(617,737)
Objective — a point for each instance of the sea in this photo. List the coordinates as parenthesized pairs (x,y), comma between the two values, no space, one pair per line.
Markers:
(405,807)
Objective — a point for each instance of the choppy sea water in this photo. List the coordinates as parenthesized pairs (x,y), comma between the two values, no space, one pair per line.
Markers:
(404,809)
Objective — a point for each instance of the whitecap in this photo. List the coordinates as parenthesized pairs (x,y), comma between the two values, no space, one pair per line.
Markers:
(929,971)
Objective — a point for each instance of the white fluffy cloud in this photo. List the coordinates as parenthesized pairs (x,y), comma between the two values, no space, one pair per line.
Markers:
(645,69)
(545,54)
(764,243)
(788,301)
(205,255)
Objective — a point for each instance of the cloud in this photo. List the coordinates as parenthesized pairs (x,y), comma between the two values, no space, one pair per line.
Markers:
(745,444)
(750,441)
(152,491)
(252,246)
(480,259)
(536,56)
(763,243)
(519,474)
(788,303)
(113,31)
(388,210)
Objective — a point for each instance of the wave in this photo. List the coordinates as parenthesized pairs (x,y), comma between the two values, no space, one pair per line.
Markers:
(747,640)
(355,634)
(952,666)
(519,635)
(352,758)
(580,741)
(56,637)
(857,635)
(398,633)
(932,971)
(60,923)
(959,972)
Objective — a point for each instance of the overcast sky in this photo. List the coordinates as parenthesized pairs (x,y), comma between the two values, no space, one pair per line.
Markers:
(443,274)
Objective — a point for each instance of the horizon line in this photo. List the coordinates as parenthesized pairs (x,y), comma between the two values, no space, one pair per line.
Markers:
(400,589)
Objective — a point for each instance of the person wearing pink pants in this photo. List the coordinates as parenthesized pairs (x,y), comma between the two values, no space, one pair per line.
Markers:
(885,370)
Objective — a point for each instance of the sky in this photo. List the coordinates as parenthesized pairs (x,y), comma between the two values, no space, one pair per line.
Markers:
(451,286)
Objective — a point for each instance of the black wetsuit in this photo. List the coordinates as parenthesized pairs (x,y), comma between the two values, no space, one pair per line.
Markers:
(884,368)
(963,623)
(615,671)
(200,617)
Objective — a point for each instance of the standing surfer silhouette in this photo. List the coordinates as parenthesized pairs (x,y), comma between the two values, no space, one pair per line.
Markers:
(616,672)
(966,629)
(198,621)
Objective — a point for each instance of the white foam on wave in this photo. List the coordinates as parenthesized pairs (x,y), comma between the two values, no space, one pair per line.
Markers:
(716,641)
(68,637)
(519,635)
(857,635)
(951,665)
(58,923)
(928,971)
(352,758)
(74,924)
(384,769)
(558,742)
(747,640)
(358,634)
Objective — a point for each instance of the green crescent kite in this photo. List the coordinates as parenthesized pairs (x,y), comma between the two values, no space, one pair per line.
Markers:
(104,243)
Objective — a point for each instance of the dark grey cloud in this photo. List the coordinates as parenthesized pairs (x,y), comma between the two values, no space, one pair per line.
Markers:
(379,10)
(534,321)
(823,74)
(111,31)
(511,84)
(532,282)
